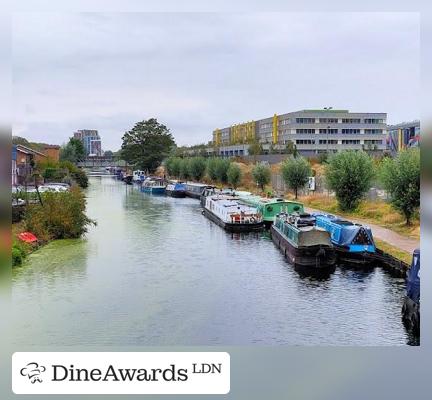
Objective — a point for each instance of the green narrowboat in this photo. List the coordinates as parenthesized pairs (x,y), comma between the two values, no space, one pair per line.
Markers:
(270,207)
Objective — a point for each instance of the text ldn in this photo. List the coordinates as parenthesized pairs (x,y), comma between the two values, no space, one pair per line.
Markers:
(72,374)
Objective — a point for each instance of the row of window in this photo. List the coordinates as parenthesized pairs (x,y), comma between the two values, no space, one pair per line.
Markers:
(333,141)
(335,121)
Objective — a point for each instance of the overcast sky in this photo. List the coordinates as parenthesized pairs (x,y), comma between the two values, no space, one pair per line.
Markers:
(197,72)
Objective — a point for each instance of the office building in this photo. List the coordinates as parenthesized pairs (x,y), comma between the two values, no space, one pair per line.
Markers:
(91,141)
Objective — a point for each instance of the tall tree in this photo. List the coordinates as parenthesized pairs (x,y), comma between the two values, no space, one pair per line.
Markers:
(73,151)
(296,172)
(401,178)
(261,174)
(197,167)
(234,175)
(349,173)
(147,144)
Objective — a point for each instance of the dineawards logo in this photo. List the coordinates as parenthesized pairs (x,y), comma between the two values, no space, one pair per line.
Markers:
(33,371)
(121,373)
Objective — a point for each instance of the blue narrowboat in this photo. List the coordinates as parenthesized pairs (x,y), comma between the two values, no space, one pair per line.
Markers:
(411,305)
(176,189)
(153,186)
(353,242)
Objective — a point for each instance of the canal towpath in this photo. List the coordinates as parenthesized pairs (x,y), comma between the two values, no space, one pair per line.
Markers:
(387,235)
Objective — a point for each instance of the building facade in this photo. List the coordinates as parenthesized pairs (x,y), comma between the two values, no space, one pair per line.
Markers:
(23,161)
(403,135)
(91,140)
(310,131)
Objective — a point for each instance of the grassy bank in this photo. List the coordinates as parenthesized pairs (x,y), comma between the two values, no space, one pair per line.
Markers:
(393,251)
(375,212)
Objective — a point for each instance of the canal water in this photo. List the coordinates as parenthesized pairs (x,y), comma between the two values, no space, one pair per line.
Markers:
(155,271)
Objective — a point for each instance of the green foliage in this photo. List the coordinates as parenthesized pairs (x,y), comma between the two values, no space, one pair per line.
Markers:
(401,178)
(349,174)
(222,166)
(197,167)
(234,175)
(255,148)
(261,174)
(147,144)
(212,168)
(173,165)
(108,153)
(322,158)
(62,216)
(20,250)
(184,168)
(296,173)
(73,151)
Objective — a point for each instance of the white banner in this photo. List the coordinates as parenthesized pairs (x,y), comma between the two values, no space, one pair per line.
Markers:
(121,373)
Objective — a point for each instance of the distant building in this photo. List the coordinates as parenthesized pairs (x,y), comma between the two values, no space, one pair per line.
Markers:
(23,160)
(403,135)
(52,151)
(310,131)
(91,140)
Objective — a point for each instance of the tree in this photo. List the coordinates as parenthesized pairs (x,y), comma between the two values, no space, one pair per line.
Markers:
(147,144)
(401,178)
(222,166)
(197,167)
(234,175)
(255,148)
(108,153)
(349,174)
(73,151)
(184,168)
(173,166)
(296,173)
(212,168)
(261,174)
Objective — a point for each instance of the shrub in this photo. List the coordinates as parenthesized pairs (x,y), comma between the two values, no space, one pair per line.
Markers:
(173,165)
(222,166)
(261,175)
(296,173)
(401,178)
(349,174)
(19,252)
(80,177)
(60,217)
(212,168)
(184,168)
(234,175)
(197,167)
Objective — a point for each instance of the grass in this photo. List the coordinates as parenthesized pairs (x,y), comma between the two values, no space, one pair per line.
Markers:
(375,212)
(394,251)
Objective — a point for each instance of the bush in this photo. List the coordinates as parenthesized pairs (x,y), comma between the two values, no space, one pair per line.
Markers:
(60,217)
(261,175)
(173,165)
(296,173)
(212,168)
(80,177)
(401,178)
(184,168)
(349,174)
(197,167)
(19,252)
(234,175)
(222,166)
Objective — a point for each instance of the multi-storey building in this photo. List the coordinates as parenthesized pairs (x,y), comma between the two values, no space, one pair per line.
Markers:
(91,141)
(403,135)
(311,131)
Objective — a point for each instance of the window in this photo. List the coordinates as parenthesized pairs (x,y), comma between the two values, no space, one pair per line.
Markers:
(305,141)
(350,141)
(328,120)
(305,130)
(285,121)
(350,120)
(330,131)
(266,125)
(373,121)
(330,141)
(305,120)
(350,131)
(373,142)
(373,131)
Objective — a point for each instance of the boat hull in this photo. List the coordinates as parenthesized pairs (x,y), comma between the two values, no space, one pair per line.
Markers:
(153,190)
(188,193)
(176,193)
(361,258)
(314,257)
(233,227)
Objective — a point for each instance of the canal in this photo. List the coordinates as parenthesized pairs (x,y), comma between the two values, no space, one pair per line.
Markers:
(155,271)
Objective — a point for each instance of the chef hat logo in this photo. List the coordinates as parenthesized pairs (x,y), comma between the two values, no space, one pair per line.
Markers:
(33,371)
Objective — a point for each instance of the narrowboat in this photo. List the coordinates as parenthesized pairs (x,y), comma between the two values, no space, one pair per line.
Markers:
(231,215)
(194,190)
(176,189)
(353,242)
(411,305)
(138,176)
(153,186)
(270,207)
(302,242)
(210,191)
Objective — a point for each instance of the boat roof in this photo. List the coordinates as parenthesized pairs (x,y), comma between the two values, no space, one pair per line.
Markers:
(198,184)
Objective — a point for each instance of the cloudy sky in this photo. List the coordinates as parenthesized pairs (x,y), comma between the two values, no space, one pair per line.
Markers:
(197,72)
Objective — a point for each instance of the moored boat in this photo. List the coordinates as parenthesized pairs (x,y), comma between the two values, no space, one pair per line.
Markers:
(411,305)
(153,186)
(194,190)
(138,176)
(270,207)
(353,242)
(212,190)
(231,215)
(302,242)
(175,189)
